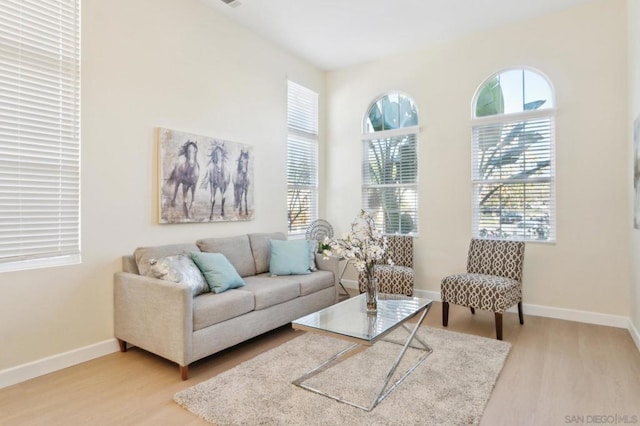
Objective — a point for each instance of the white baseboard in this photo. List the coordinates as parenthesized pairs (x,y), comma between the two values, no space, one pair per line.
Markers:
(43,366)
(635,335)
(549,312)
(586,317)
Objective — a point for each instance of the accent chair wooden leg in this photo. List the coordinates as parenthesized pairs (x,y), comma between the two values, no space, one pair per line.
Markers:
(445,313)
(473,310)
(498,325)
(184,372)
(520,312)
(123,345)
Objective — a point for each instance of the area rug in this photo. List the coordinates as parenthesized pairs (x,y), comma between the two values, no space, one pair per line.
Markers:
(452,386)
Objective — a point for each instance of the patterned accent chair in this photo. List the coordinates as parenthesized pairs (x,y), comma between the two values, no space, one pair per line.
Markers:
(396,278)
(493,281)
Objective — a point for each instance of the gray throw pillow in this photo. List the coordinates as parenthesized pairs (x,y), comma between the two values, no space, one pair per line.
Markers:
(179,269)
(313,248)
(144,254)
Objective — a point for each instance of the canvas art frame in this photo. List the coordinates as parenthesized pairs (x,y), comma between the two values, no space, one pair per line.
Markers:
(203,179)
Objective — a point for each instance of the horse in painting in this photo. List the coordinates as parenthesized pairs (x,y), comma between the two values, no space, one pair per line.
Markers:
(185,173)
(241,182)
(217,176)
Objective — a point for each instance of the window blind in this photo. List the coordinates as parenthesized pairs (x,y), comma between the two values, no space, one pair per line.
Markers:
(302,157)
(513,179)
(390,180)
(39,132)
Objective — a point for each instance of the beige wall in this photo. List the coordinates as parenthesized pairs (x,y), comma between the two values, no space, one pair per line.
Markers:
(583,51)
(634,98)
(169,63)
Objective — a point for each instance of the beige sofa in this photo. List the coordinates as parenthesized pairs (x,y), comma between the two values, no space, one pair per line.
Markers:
(164,318)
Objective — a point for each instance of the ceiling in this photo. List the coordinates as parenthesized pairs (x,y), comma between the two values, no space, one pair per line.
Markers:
(333,34)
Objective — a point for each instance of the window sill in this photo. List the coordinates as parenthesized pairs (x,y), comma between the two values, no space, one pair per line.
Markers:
(51,262)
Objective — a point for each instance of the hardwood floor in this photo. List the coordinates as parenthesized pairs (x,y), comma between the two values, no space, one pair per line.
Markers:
(556,371)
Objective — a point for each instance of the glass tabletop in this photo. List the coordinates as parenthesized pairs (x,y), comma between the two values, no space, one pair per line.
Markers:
(351,319)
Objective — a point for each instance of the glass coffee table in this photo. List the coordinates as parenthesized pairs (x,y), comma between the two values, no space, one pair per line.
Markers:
(349,320)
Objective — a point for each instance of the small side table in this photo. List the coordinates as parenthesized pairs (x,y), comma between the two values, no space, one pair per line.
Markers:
(344,269)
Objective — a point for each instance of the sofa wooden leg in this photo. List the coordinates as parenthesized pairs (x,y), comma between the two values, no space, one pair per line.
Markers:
(498,325)
(473,310)
(123,345)
(184,372)
(445,313)
(520,313)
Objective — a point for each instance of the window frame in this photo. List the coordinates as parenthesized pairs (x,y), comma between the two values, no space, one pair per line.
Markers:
(408,131)
(511,119)
(41,98)
(310,137)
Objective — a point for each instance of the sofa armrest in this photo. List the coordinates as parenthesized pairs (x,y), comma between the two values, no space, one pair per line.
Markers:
(332,264)
(155,315)
(328,264)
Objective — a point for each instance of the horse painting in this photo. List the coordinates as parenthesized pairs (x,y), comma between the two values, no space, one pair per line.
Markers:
(217,176)
(185,173)
(223,168)
(241,182)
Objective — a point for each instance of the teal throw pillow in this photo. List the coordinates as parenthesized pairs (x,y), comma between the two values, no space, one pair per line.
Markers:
(218,271)
(289,257)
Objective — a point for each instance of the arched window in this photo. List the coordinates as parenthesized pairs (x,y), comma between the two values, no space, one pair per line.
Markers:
(390,163)
(513,122)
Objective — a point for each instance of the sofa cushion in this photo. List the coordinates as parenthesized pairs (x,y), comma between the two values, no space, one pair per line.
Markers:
(211,308)
(179,269)
(218,271)
(481,291)
(236,249)
(312,282)
(261,249)
(268,291)
(289,257)
(144,254)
